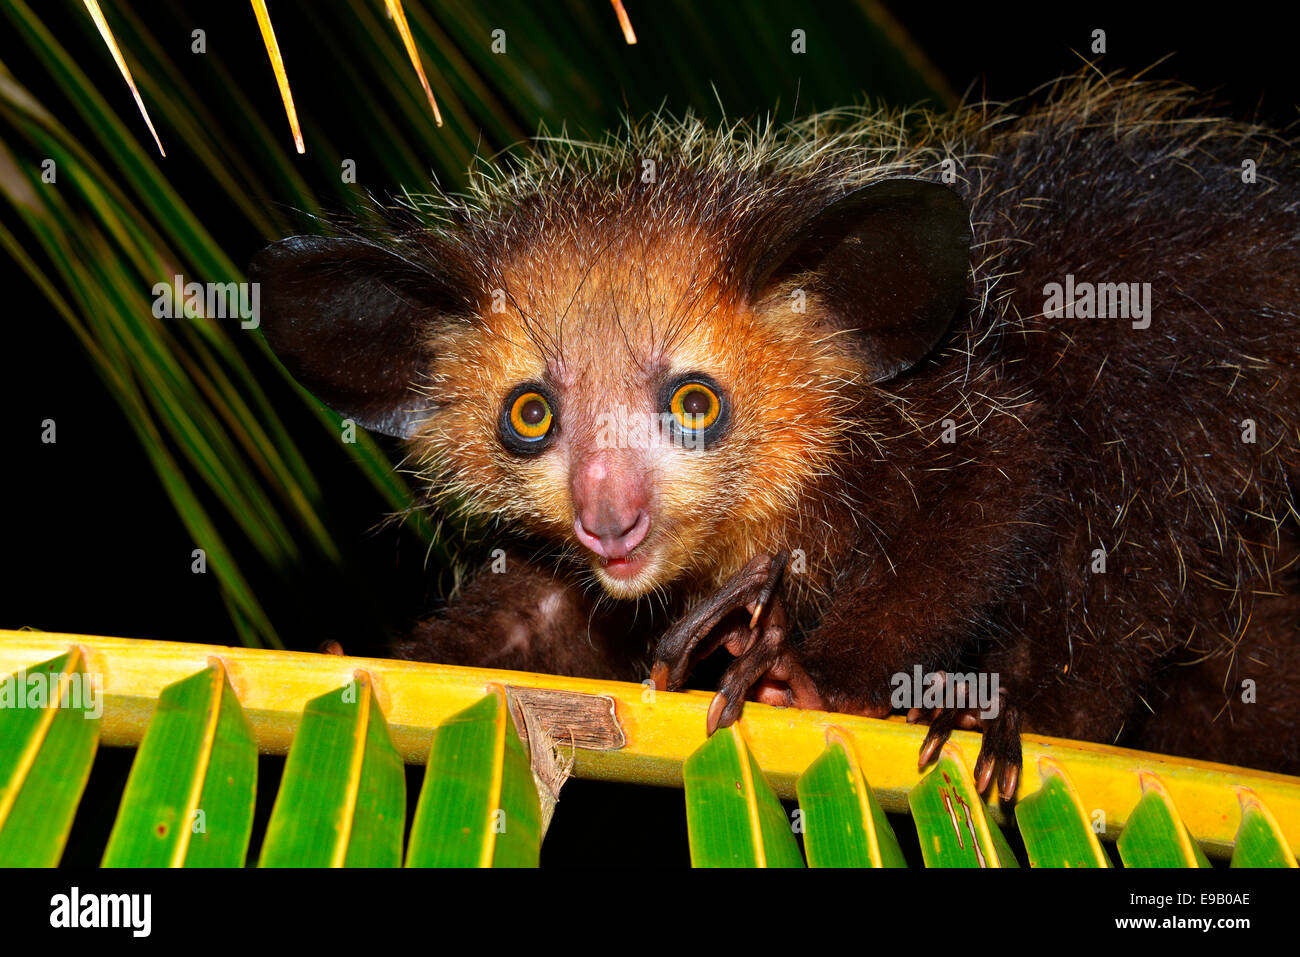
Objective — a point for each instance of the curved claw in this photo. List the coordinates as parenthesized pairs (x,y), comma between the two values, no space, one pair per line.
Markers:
(941,727)
(1000,746)
(766,654)
(659,675)
(717,708)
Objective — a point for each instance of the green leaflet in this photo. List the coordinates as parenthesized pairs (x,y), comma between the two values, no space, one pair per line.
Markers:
(1055,826)
(733,818)
(479,806)
(342,800)
(45,757)
(950,821)
(844,825)
(1259,841)
(1154,835)
(190,797)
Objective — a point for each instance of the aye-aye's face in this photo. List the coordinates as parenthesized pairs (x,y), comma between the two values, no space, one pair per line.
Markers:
(632,409)
(653,390)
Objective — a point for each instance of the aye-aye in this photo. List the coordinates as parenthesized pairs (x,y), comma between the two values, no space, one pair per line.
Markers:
(1010,392)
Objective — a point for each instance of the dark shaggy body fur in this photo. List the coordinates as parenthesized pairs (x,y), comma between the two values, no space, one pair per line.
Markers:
(1072,435)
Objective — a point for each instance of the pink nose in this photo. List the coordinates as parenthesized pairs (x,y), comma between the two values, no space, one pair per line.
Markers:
(610,535)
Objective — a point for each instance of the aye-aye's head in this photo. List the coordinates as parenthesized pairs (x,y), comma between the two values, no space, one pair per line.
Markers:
(648,372)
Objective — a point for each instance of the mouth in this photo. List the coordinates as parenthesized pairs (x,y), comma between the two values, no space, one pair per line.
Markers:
(623,568)
(629,576)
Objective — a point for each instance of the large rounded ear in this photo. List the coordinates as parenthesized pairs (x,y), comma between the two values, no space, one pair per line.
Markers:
(348,320)
(887,263)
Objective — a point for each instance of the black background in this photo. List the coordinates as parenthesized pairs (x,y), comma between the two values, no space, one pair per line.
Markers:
(89,543)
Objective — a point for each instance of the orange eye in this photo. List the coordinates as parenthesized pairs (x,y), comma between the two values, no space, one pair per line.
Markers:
(530,416)
(695,406)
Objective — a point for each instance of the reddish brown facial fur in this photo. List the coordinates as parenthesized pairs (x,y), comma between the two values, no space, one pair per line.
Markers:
(613,485)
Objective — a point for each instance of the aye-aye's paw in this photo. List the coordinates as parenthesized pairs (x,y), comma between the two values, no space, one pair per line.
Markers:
(999,749)
(684,644)
(766,668)
(764,663)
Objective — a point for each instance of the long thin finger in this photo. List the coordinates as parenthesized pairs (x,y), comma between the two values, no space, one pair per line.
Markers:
(769,587)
